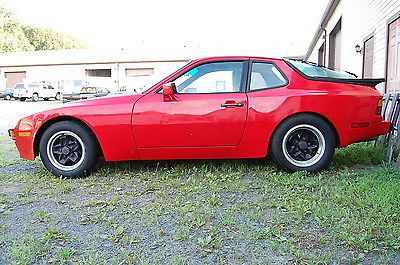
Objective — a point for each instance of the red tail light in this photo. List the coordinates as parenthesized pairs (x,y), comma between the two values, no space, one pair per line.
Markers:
(378,110)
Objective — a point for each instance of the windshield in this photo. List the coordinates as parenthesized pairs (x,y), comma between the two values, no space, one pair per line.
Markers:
(313,70)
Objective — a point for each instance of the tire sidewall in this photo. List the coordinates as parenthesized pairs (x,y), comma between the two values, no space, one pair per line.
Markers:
(317,122)
(91,150)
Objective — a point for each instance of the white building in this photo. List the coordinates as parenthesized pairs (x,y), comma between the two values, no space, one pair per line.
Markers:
(71,69)
(361,36)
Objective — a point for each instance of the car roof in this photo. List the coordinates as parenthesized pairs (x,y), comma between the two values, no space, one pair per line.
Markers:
(229,58)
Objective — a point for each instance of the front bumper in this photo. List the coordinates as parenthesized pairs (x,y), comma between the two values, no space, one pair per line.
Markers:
(24,142)
(11,133)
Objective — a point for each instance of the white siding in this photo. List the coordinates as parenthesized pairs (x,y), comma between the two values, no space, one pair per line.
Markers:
(361,18)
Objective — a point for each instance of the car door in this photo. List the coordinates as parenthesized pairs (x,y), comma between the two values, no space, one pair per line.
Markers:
(209,109)
(44,91)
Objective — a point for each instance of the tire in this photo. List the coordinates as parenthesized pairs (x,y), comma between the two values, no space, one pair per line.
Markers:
(58,96)
(71,160)
(7,97)
(303,143)
(22,99)
(35,97)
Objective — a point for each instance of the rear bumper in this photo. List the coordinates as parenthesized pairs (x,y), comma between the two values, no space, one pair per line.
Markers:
(382,127)
(21,96)
(373,130)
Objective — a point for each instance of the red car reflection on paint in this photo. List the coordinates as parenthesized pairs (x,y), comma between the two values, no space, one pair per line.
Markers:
(220,107)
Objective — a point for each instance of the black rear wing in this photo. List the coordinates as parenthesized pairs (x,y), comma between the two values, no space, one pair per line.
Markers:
(371,82)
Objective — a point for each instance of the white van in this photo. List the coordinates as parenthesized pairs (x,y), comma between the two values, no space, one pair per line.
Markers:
(35,91)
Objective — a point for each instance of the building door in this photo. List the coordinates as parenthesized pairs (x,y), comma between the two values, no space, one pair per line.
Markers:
(393,62)
(14,77)
(335,46)
(368,58)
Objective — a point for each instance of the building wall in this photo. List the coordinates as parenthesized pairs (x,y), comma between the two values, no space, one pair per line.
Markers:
(66,74)
(360,19)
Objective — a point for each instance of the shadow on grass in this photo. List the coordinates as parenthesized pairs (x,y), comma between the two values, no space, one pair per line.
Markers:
(357,154)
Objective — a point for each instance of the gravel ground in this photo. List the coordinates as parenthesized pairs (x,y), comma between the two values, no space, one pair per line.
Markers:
(11,111)
(197,212)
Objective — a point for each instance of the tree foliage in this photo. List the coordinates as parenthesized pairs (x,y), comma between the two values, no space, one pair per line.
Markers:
(17,37)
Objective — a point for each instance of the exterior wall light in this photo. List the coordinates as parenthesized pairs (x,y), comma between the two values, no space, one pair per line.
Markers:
(358,49)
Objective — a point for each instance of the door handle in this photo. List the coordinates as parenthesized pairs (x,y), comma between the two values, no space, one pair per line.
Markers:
(232,104)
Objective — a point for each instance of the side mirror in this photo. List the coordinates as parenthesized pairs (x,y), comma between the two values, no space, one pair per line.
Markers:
(169,91)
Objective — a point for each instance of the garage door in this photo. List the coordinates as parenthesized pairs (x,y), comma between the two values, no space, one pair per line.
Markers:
(393,67)
(13,78)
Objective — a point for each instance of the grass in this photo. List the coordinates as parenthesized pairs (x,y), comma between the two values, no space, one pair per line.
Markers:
(195,212)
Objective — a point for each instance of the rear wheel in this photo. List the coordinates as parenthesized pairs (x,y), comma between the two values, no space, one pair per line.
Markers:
(58,96)
(35,97)
(68,149)
(303,143)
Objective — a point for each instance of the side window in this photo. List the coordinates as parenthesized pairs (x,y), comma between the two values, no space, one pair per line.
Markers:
(219,77)
(265,75)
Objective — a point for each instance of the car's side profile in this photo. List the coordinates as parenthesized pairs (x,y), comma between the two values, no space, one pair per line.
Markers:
(86,93)
(218,107)
(35,91)
(7,94)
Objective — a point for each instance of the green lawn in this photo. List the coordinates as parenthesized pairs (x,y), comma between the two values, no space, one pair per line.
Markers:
(202,212)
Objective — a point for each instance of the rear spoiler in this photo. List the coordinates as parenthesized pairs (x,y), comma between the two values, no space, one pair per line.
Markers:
(371,82)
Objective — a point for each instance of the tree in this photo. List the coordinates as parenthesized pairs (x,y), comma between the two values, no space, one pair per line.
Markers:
(12,37)
(48,39)
(17,37)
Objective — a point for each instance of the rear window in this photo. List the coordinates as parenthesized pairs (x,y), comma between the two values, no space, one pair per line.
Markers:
(315,71)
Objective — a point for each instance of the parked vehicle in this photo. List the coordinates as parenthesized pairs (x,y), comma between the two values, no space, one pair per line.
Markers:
(219,107)
(86,93)
(35,91)
(6,94)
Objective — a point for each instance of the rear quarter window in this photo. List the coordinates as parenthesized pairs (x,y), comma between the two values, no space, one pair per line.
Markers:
(265,76)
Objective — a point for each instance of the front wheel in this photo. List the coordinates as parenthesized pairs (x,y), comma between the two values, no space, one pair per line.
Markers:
(8,97)
(58,96)
(68,149)
(303,143)
(35,97)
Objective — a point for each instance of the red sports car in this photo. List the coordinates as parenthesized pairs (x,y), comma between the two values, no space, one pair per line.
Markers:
(220,107)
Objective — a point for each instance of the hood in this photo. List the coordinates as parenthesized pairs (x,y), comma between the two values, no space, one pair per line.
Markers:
(84,108)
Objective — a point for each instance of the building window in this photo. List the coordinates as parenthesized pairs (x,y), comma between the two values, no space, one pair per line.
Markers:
(335,43)
(134,72)
(98,72)
(321,55)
